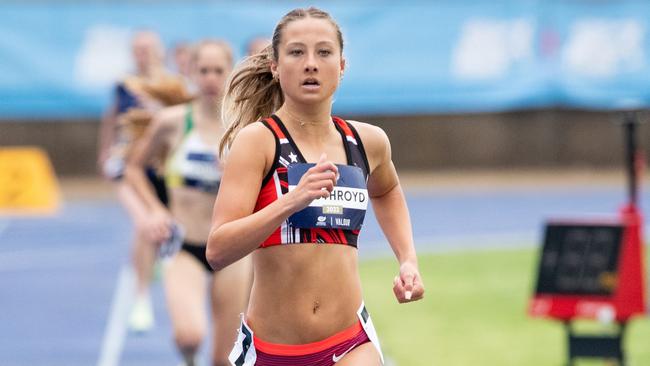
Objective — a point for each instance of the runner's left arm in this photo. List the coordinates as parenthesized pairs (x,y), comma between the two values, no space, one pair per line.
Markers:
(392,213)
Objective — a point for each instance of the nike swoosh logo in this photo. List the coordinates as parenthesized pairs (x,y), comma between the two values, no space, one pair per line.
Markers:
(338,358)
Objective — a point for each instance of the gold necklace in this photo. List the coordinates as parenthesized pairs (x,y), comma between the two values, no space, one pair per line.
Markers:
(301,122)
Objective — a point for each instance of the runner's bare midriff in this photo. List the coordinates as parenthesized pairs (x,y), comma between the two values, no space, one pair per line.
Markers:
(304,293)
(193,210)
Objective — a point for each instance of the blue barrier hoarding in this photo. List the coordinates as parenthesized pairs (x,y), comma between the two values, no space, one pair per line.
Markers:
(59,59)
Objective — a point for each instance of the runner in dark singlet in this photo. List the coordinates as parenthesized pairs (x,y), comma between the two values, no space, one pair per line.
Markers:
(294,192)
(137,97)
(188,135)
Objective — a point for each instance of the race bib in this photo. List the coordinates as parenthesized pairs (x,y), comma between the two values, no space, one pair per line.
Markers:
(203,166)
(346,206)
(201,170)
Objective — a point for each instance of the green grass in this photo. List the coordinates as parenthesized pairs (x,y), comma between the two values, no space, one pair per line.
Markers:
(474,313)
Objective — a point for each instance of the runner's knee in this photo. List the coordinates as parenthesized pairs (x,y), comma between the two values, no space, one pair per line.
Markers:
(188,339)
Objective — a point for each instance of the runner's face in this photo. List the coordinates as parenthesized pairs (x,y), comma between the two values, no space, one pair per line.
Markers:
(309,61)
(257,46)
(146,52)
(211,69)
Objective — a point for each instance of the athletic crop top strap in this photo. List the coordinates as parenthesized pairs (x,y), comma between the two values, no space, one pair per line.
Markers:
(277,132)
(275,128)
(354,146)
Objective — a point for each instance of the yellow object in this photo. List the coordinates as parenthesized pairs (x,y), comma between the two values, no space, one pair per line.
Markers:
(27,182)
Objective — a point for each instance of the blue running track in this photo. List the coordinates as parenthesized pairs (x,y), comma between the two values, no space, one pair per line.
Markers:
(63,278)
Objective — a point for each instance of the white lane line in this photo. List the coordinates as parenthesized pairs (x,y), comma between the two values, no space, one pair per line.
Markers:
(116,328)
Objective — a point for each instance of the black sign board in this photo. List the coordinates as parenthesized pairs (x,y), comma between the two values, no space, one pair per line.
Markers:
(580,259)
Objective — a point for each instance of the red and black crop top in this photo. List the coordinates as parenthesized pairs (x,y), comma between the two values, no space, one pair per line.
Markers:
(275,184)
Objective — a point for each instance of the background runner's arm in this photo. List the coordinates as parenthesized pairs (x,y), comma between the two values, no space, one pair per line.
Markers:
(153,140)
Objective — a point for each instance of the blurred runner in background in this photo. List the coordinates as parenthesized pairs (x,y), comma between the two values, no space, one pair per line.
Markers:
(180,57)
(188,138)
(257,45)
(137,97)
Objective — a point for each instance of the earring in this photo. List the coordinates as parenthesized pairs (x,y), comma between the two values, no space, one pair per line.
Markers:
(341,77)
(276,78)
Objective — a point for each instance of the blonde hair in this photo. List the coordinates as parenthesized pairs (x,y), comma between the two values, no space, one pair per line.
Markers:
(198,47)
(252,93)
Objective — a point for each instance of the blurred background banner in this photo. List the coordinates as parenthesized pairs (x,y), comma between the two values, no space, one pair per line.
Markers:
(60,59)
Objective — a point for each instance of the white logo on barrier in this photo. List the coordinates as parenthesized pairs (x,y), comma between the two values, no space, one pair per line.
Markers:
(103,57)
(487,48)
(604,48)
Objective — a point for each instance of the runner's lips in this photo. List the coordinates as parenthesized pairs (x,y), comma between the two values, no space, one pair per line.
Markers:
(311,81)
